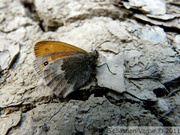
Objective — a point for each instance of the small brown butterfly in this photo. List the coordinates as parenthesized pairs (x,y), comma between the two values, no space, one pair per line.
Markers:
(64,67)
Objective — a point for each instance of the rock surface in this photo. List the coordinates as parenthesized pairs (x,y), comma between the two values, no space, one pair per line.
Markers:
(138,73)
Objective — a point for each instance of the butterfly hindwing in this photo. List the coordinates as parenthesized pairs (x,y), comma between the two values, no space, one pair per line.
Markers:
(65,74)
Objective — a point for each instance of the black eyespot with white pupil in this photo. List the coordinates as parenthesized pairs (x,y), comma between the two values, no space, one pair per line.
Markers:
(46,63)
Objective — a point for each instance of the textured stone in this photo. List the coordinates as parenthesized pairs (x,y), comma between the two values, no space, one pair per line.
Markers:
(9,121)
(145,59)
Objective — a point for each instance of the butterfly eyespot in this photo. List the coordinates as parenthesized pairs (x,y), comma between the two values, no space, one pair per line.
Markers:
(46,63)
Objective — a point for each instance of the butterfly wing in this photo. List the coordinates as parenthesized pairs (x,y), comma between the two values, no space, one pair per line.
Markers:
(48,51)
(65,74)
(65,68)
(42,61)
(46,47)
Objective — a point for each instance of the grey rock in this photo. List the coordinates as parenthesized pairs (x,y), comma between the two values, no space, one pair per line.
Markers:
(145,59)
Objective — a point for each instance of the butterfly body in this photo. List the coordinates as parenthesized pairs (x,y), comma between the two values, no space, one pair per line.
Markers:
(65,68)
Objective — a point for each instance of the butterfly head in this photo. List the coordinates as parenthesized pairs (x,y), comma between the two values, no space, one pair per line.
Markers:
(94,55)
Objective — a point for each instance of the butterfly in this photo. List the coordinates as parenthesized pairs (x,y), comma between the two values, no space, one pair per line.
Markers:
(64,67)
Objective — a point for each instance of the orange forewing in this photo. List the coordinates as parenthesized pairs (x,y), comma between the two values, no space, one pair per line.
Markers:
(58,55)
(45,47)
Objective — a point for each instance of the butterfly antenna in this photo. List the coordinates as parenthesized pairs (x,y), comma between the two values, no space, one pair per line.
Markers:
(108,68)
(102,43)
